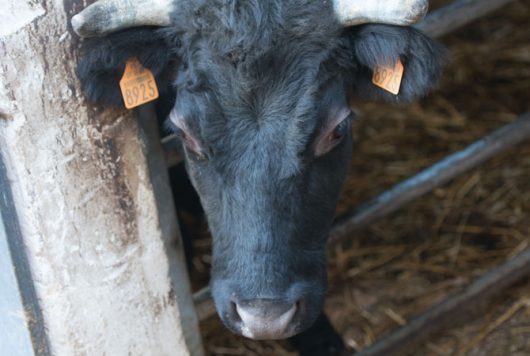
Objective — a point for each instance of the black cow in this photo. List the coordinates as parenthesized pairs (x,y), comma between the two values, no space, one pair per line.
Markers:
(262,91)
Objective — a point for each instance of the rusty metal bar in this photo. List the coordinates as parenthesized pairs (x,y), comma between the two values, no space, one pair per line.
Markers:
(485,287)
(440,173)
(457,14)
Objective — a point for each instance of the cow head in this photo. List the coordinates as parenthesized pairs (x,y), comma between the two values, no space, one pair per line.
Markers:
(261,105)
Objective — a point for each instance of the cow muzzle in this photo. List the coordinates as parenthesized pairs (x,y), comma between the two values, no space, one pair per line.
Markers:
(265,319)
(268,315)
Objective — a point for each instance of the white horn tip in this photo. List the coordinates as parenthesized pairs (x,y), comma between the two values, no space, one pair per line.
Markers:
(393,12)
(107,16)
(421,9)
(77,24)
(84,27)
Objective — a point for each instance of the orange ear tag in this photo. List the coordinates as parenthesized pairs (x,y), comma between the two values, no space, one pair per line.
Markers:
(138,85)
(388,78)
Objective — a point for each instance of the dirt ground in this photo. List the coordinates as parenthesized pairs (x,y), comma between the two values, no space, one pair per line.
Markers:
(395,269)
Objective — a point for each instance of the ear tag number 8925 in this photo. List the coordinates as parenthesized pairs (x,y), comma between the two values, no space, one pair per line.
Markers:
(388,78)
(138,85)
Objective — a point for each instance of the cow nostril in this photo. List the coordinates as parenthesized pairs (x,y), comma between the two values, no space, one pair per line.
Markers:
(267,319)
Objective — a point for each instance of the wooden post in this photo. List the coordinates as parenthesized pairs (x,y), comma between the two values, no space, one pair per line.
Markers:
(95,222)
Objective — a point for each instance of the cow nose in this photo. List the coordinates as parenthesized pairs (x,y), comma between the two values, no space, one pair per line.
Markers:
(266,319)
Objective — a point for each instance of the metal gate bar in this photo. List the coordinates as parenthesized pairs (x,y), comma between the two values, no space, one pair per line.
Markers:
(457,14)
(485,287)
(438,174)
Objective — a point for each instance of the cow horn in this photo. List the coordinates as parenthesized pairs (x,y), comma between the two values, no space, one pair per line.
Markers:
(107,16)
(392,12)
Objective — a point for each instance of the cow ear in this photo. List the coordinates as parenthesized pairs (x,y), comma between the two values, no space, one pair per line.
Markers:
(103,61)
(422,58)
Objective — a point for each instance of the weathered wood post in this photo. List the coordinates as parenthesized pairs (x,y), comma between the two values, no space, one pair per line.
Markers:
(96,225)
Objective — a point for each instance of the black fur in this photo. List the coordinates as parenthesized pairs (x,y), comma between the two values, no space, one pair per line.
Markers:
(103,62)
(256,83)
(382,44)
(320,340)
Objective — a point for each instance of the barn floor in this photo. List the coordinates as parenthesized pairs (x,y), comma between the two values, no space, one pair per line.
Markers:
(396,268)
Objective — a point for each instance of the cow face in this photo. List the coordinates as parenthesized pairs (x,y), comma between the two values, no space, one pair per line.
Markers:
(262,92)
(269,177)
(266,131)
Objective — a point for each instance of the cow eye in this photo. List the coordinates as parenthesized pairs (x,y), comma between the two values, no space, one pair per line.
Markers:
(334,135)
(341,129)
